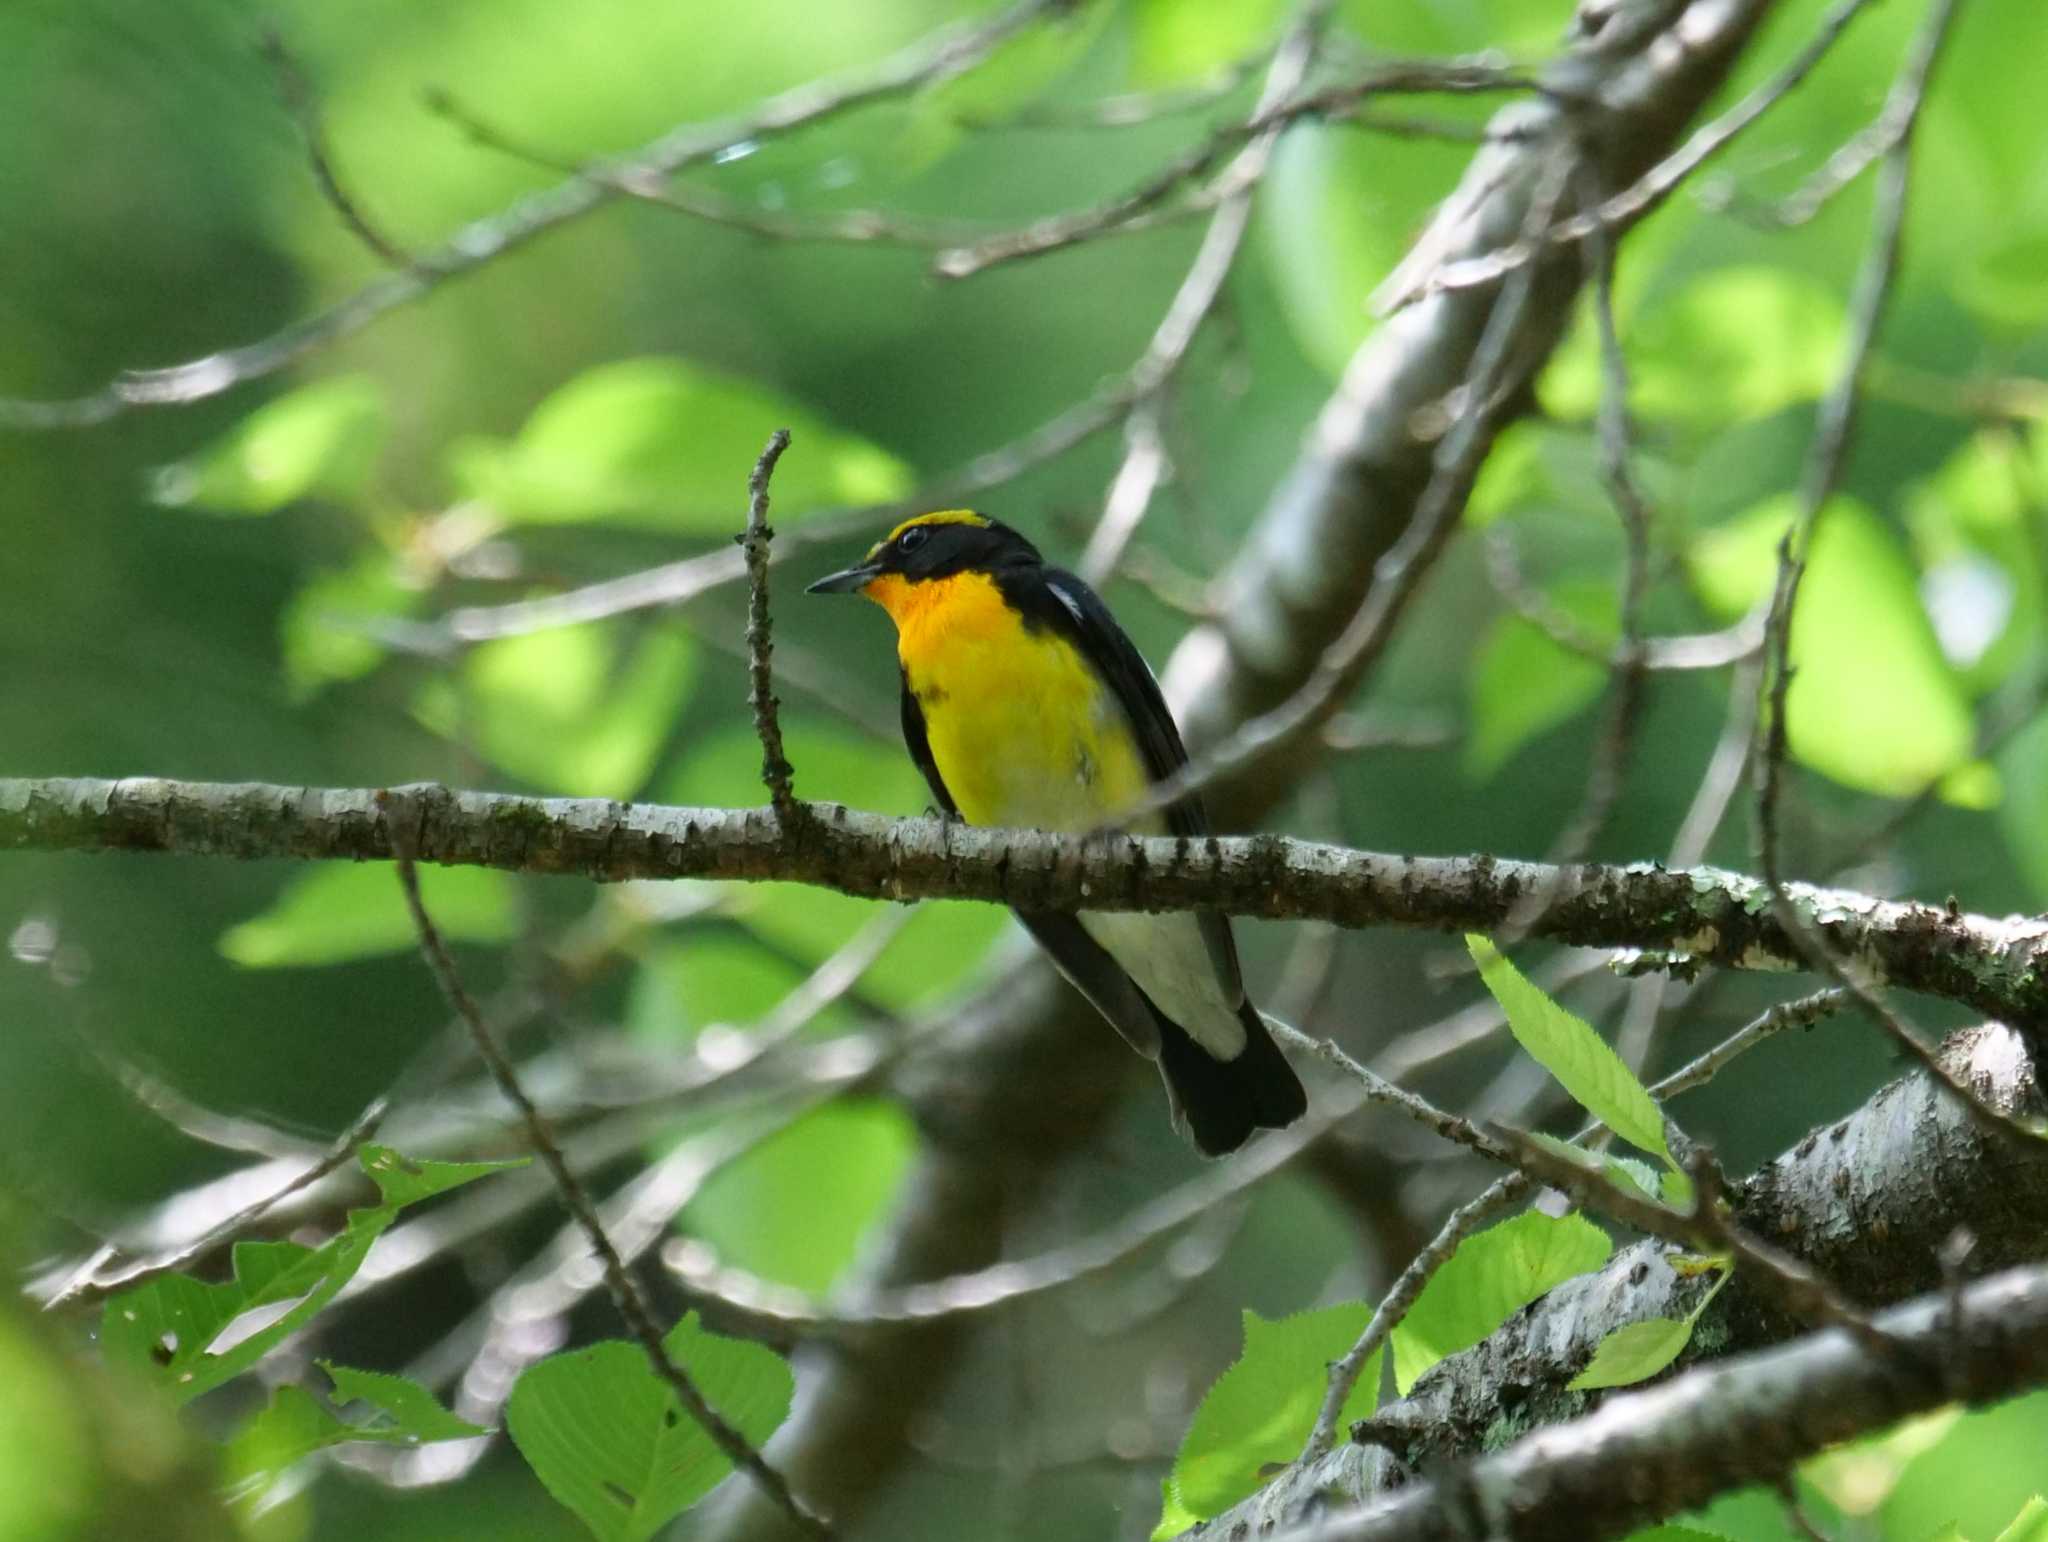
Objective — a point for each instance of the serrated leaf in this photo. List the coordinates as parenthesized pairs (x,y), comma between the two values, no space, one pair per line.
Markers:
(404,1180)
(338,912)
(665,444)
(1583,1063)
(1493,1274)
(1174,1517)
(166,1330)
(295,1425)
(610,1441)
(1634,1353)
(1873,702)
(2030,1525)
(1260,1411)
(320,439)
(411,1413)
(1636,1179)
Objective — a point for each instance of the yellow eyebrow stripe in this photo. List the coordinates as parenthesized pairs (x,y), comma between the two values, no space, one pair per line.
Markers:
(940,517)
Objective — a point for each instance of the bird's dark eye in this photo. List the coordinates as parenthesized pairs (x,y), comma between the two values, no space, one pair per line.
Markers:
(912,538)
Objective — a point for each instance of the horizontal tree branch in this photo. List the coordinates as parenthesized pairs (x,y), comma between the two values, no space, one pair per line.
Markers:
(1704,915)
(1651,1454)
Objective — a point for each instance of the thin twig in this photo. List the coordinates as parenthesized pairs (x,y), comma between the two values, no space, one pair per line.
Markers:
(1401,1296)
(1400,572)
(859,227)
(1790,1283)
(940,55)
(1147,205)
(1618,212)
(1826,456)
(1378,1089)
(303,104)
(1800,1012)
(1146,461)
(96,1282)
(775,767)
(625,1291)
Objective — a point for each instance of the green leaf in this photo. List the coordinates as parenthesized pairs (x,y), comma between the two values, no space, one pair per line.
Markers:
(167,1330)
(1524,683)
(1336,214)
(1493,1274)
(403,1180)
(1572,1052)
(565,711)
(2023,815)
(1736,342)
(1260,1411)
(321,439)
(1973,539)
(1858,1477)
(1186,41)
(2030,1525)
(1174,1517)
(1678,1534)
(795,1208)
(410,1412)
(295,1425)
(1634,1353)
(1873,702)
(326,632)
(2004,284)
(609,1439)
(1015,75)
(666,444)
(1637,1179)
(338,912)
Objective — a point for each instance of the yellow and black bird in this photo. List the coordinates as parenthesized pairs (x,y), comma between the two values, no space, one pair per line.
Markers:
(1025,704)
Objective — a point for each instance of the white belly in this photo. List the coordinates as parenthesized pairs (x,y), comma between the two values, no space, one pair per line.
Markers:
(1165,954)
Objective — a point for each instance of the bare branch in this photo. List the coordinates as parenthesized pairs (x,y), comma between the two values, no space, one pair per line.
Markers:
(304,106)
(1650,1454)
(753,544)
(1704,914)
(1825,458)
(1418,279)
(626,1295)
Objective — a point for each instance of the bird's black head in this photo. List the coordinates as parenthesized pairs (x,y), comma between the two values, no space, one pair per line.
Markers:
(934,546)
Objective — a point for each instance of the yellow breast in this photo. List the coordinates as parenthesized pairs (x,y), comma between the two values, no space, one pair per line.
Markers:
(1021,727)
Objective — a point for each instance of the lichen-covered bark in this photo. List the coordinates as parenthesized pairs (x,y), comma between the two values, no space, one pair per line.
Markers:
(1703,914)
(1870,1200)
(1643,1456)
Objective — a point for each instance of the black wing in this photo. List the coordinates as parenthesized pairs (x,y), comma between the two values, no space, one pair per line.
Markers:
(1054,598)
(921,750)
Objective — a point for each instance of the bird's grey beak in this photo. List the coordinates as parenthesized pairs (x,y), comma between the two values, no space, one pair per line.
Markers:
(846,581)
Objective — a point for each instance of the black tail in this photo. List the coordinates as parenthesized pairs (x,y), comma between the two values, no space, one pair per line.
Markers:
(1220,1102)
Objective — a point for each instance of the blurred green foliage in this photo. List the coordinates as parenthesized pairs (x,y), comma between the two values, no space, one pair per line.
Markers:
(234,590)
